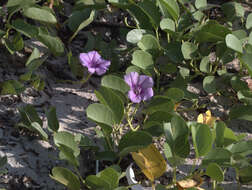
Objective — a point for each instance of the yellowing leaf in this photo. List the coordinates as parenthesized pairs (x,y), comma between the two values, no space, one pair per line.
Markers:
(176,106)
(206,118)
(150,161)
(189,183)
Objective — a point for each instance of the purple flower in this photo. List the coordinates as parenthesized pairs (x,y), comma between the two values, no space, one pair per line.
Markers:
(93,61)
(140,87)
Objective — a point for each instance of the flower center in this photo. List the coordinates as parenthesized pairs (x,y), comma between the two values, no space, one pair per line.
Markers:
(137,90)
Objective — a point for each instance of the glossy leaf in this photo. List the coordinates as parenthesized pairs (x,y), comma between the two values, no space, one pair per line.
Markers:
(211,31)
(25,28)
(246,60)
(36,126)
(115,82)
(135,35)
(202,139)
(205,65)
(40,14)
(133,141)
(219,156)
(188,50)
(67,139)
(234,43)
(215,172)
(101,114)
(175,94)
(209,84)
(200,4)
(107,97)
(52,119)
(241,112)
(142,59)
(148,42)
(171,7)
(66,177)
(167,25)
(249,21)
(160,103)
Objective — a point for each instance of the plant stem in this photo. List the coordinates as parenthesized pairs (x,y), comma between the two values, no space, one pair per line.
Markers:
(174,175)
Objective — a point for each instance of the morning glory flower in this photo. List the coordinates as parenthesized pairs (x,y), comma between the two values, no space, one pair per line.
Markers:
(93,61)
(140,87)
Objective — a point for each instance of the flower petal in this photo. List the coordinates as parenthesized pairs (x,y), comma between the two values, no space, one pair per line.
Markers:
(147,93)
(84,59)
(102,67)
(145,81)
(94,57)
(91,70)
(131,79)
(133,97)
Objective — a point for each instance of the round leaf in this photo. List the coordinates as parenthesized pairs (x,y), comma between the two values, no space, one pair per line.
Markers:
(148,42)
(167,25)
(219,156)
(175,94)
(142,59)
(234,43)
(215,172)
(188,50)
(100,114)
(209,84)
(135,35)
(115,82)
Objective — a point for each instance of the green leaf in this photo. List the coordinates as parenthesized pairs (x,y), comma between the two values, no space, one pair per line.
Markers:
(176,134)
(15,44)
(106,156)
(241,112)
(215,172)
(211,31)
(115,82)
(39,129)
(154,128)
(2,33)
(245,96)
(249,21)
(238,84)
(246,60)
(96,183)
(25,28)
(54,44)
(167,25)
(209,84)
(13,3)
(200,4)
(142,59)
(107,97)
(135,35)
(79,20)
(151,11)
(245,175)
(66,177)
(171,7)
(29,115)
(232,10)
(67,153)
(202,139)
(188,50)
(175,94)
(160,103)
(234,43)
(148,42)
(241,147)
(111,176)
(67,139)
(85,142)
(219,156)
(101,114)
(173,52)
(12,87)
(40,14)
(52,119)
(133,141)
(34,55)
(224,135)
(205,65)
(240,34)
